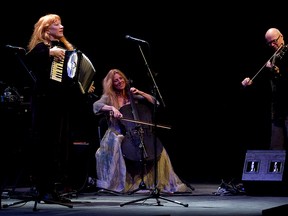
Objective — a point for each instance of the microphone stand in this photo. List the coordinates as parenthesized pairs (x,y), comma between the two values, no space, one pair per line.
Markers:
(156,191)
(31,74)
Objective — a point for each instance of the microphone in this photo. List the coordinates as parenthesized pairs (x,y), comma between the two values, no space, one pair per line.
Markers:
(135,39)
(15,48)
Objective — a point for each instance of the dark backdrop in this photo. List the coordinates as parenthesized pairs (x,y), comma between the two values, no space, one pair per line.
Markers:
(200,55)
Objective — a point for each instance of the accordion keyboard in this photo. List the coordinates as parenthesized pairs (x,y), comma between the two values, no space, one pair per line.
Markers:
(57,70)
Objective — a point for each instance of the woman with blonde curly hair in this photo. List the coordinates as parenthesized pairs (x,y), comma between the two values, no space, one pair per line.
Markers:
(116,169)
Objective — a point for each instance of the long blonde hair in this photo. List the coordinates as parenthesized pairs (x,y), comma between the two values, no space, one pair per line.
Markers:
(108,88)
(40,32)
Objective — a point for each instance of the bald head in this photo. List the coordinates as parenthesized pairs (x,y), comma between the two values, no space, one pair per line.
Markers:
(274,38)
(272,33)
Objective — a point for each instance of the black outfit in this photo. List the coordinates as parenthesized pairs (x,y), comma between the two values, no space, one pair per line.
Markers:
(53,106)
(279,84)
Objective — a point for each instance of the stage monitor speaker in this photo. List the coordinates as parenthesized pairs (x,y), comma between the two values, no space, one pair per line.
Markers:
(264,172)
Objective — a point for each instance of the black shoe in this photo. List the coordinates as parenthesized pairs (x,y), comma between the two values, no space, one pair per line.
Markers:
(54,198)
(58,198)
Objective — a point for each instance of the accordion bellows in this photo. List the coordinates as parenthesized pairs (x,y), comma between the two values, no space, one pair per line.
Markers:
(75,66)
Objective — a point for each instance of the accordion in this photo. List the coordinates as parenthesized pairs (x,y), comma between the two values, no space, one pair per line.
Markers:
(74,67)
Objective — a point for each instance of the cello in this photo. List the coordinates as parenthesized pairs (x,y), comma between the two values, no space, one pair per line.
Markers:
(138,142)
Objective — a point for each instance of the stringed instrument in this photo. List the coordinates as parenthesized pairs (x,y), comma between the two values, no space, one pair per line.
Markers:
(139,139)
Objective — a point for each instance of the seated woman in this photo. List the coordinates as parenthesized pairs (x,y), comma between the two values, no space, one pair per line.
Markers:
(115,170)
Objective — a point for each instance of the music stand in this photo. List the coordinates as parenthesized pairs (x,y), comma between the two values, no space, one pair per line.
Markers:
(155,192)
(18,51)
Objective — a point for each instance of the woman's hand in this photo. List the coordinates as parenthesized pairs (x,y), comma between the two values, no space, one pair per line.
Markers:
(116,113)
(134,90)
(57,53)
(143,94)
(91,88)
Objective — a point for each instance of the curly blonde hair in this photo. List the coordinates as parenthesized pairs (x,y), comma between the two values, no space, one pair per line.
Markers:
(108,88)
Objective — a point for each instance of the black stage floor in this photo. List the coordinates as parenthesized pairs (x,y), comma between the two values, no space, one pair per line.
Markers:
(202,201)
